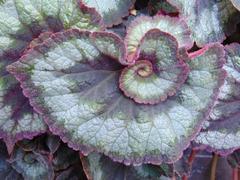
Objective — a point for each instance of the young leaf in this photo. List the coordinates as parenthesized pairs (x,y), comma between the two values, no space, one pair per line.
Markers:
(76,90)
(152,82)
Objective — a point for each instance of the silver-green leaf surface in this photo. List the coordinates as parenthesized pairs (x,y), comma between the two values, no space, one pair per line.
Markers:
(75,86)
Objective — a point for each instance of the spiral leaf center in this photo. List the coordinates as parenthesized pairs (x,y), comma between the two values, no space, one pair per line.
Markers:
(145,68)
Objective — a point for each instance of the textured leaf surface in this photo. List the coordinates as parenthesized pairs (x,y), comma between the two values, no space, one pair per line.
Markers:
(23,25)
(143,24)
(223,129)
(150,82)
(209,20)
(36,15)
(90,112)
(17,120)
(112,11)
(31,165)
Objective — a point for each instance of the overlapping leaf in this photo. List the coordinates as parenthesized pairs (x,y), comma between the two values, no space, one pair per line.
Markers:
(222,133)
(161,6)
(112,11)
(22,21)
(100,167)
(91,112)
(158,73)
(142,24)
(209,20)
(6,171)
(31,165)
(45,156)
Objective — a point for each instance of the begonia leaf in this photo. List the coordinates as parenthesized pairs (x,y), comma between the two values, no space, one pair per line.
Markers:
(142,24)
(161,6)
(100,167)
(53,143)
(6,171)
(73,173)
(209,20)
(23,25)
(112,11)
(236,4)
(151,82)
(234,159)
(31,165)
(91,112)
(64,158)
(222,133)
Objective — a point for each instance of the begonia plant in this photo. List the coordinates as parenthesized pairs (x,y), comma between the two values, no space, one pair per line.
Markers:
(138,104)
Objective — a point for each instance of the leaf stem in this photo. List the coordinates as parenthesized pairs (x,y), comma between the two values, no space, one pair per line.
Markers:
(190,162)
(173,177)
(235,173)
(192,157)
(214,166)
(184,177)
